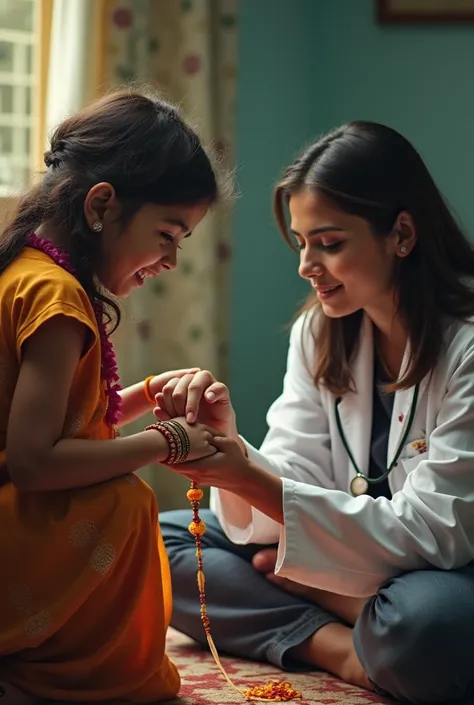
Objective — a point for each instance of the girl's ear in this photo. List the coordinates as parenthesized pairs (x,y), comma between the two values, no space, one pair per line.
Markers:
(101,205)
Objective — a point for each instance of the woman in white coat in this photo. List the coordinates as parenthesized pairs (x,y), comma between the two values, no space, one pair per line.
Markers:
(365,481)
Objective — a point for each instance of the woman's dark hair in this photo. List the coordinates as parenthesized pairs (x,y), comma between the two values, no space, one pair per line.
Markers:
(371,171)
(139,144)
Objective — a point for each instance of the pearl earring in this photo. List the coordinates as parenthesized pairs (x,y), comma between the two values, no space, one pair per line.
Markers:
(97,227)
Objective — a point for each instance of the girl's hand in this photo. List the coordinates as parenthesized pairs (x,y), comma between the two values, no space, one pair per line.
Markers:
(201,439)
(197,397)
(227,468)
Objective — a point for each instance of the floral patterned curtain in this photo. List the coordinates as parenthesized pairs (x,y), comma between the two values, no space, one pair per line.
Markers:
(186,49)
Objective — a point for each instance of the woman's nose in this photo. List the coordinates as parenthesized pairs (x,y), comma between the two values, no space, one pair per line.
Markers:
(309,268)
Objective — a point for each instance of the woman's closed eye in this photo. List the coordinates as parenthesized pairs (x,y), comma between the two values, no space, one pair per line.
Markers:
(325,247)
(330,246)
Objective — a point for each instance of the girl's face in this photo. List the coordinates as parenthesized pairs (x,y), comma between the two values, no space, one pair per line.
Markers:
(348,266)
(148,245)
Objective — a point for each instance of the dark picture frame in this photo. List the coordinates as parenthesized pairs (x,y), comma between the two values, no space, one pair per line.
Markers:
(425,11)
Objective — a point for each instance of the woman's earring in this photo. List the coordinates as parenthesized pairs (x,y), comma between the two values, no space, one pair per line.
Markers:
(97,227)
(403,250)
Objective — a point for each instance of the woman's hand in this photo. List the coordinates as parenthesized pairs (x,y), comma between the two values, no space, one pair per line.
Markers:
(227,468)
(159,381)
(198,397)
(230,469)
(135,402)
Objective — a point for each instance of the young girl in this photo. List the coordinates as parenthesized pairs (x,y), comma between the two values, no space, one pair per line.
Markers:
(85,595)
(366,477)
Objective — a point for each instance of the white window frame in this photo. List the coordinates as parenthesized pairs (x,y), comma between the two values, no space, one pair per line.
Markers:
(18,119)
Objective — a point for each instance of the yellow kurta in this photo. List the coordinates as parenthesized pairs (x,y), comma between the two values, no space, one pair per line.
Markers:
(85,595)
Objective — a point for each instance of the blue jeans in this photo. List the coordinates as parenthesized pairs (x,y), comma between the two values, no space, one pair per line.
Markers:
(415,638)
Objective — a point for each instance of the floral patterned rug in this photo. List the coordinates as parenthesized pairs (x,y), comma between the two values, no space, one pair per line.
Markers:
(202,683)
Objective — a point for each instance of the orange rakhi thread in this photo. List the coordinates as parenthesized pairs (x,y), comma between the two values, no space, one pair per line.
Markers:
(275,690)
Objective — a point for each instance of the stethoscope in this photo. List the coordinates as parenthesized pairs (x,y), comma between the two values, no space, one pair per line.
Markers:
(360,483)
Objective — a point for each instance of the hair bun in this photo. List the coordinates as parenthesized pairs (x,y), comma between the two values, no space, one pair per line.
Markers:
(50,159)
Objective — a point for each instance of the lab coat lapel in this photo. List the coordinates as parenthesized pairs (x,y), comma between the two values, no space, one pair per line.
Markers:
(355,409)
(402,407)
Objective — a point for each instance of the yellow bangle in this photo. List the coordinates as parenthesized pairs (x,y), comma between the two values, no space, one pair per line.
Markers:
(146,389)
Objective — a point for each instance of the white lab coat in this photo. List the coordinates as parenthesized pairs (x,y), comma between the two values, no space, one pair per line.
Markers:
(351,545)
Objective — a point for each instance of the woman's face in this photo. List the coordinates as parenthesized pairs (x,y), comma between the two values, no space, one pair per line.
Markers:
(347,265)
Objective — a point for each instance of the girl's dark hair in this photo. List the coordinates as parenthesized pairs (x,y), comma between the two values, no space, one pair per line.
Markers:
(139,144)
(371,171)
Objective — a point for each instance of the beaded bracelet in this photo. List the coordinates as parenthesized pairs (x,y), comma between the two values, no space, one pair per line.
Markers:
(177,439)
(183,437)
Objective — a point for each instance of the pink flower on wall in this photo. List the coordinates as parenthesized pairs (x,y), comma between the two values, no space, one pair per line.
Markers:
(192,64)
(123,18)
(144,330)
(223,251)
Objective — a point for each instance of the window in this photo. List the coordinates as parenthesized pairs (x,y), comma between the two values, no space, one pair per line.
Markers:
(17,44)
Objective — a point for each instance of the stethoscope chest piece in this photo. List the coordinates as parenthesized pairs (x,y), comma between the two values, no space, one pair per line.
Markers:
(359,485)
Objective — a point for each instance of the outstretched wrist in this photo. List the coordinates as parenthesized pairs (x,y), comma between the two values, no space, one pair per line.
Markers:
(176,438)
(158,445)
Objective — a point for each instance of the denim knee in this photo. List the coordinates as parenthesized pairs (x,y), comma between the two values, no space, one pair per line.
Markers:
(414,638)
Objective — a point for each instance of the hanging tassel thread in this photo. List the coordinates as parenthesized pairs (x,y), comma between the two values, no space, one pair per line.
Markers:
(275,690)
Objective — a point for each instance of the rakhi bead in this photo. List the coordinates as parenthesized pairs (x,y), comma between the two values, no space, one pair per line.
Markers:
(197,529)
(201,580)
(195,495)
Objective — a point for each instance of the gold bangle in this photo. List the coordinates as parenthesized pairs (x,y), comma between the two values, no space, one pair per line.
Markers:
(146,389)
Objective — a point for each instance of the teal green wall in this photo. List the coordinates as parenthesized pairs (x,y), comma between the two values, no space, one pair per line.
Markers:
(275,111)
(306,66)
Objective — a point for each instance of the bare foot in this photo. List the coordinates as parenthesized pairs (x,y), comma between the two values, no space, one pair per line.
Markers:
(351,671)
(11,695)
(264,561)
(331,649)
(347,608)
